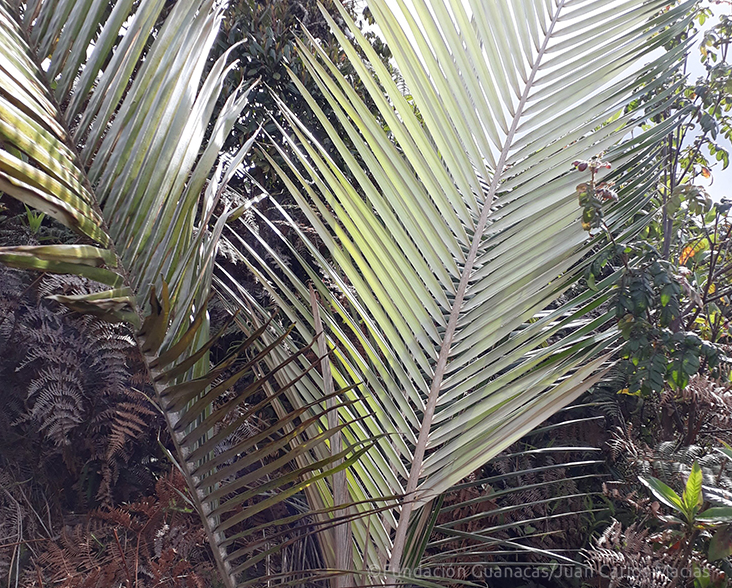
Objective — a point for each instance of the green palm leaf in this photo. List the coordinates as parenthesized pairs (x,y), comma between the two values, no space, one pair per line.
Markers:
(128,162)
(454,237)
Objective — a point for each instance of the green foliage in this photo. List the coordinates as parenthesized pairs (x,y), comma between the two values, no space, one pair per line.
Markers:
(672,316)
(720,547)
(34,219)
(662,305)
(689,503)
(648,303)
(594,195)
(701,526)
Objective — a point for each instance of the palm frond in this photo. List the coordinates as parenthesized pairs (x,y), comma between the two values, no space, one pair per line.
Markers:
(452,227)
(517,506)
(107,126)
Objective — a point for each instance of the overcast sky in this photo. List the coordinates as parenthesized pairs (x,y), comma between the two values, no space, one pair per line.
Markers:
(721,182)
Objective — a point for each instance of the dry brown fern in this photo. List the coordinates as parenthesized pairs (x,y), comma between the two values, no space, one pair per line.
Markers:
(535,496)
(626,559)
(69,362)
(73,387)
(155,542)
